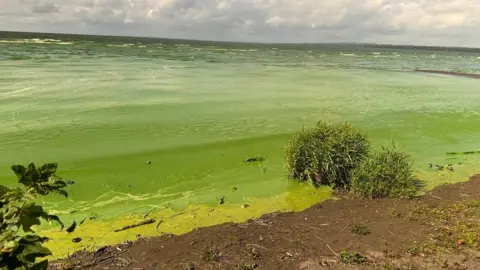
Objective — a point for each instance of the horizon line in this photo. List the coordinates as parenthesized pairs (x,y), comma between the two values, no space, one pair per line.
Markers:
(246,42)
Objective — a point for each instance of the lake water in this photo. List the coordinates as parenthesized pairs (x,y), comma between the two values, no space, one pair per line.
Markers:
(103,107)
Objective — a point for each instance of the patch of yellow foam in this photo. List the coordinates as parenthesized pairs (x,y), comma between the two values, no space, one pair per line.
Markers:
(98,233)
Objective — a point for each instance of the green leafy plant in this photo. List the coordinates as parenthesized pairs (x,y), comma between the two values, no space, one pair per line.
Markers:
(352,258)
(388,173)
(211,255)
(20,246)
(361,230)
(326,154)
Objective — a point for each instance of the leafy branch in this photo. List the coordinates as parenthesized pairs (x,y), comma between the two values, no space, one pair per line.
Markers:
(20,246)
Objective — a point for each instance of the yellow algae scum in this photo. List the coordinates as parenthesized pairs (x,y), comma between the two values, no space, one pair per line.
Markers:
(101,232)
(98,233)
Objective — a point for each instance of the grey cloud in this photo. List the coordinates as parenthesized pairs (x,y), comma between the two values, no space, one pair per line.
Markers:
(409,21)
(45,7)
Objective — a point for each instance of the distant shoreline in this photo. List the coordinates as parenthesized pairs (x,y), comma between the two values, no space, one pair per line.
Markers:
(453,73)
(310,46)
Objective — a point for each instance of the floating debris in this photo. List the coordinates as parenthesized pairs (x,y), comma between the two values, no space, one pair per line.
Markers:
(234,188)
(254,159)
(158,224)
(222,200)
(149,162)
(145,222)
(72,227)
(463,153)
(85,219)
(245,205)
(77,240)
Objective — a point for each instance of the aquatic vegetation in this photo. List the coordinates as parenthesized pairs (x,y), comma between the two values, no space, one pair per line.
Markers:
(21,247)
(387,173)
(326,154)
(339,155)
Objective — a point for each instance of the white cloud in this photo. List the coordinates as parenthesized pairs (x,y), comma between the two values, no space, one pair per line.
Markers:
(429,22)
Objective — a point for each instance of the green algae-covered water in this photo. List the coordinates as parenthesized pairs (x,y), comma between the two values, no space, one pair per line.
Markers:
(102,107)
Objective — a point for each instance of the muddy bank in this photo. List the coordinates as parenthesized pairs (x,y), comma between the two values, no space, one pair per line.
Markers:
(395,233)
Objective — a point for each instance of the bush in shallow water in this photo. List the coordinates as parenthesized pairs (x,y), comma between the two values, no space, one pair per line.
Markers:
(388,173)
(326,154)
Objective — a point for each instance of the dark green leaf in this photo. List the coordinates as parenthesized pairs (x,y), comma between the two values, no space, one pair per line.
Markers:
(46,172)
(19,170)
(3,190)
(54,218)
(30,216)
(30,250)
(62,192)
(59,184)
(43,265)
(29,238)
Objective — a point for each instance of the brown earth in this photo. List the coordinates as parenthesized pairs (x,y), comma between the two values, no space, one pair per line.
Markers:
(438,230)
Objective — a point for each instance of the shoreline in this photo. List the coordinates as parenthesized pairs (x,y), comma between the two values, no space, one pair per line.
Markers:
(452,73)
(310,239)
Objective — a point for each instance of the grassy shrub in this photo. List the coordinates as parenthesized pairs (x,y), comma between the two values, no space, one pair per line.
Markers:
(326,154)
(387,173)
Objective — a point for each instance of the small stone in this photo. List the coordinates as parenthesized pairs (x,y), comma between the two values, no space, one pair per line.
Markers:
(77,240)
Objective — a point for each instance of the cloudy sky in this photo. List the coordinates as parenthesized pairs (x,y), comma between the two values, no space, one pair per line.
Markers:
(422,22)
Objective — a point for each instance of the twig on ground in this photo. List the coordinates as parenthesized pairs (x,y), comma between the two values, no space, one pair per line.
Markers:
(345,228)
(314,227)
(332,250)
(328,246)
(255,245)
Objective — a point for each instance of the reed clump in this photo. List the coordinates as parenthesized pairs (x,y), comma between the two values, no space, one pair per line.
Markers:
(341,156)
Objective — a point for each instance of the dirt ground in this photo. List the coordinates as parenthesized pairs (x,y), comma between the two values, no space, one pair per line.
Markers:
(438,230)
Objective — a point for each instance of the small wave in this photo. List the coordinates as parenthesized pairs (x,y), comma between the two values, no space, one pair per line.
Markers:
(121,46)
(35,40)
(244,50)
(17,57)
(348,54)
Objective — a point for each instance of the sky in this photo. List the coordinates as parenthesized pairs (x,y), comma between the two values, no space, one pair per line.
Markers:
(415,22)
